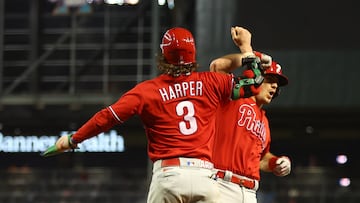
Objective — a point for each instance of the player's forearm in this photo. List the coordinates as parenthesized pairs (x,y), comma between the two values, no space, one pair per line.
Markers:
(228,63)
(264,162)
(242,39)
(245,48)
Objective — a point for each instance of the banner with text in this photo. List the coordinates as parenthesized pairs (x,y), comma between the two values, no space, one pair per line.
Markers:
(104,142)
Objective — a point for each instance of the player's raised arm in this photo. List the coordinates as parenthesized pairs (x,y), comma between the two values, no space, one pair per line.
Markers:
(251,78)
(227,63)
(242,39)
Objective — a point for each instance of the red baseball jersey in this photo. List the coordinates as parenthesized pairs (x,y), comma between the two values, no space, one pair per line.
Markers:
(178,113)
(242,138)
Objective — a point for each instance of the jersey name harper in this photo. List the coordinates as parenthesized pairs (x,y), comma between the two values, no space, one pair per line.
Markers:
(248,119)
(191,88)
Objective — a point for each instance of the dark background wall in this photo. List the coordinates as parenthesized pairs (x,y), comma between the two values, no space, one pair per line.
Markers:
(315,42)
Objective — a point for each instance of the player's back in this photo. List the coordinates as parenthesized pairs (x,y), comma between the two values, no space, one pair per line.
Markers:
(179,113)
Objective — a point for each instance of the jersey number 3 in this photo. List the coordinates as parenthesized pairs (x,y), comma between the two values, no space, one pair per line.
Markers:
(189,125)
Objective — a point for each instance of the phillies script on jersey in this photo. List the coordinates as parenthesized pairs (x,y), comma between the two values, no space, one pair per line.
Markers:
(249,120)
(183,89)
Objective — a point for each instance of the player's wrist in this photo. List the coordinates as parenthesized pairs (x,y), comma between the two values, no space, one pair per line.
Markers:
(72,142)
(245,48)
(272,163)
(247,54)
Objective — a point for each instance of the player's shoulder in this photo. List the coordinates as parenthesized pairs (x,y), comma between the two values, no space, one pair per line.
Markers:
(144,85)
(209,74)
(244,103)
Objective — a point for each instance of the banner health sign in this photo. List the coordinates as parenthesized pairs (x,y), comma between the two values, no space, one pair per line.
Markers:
(104,142)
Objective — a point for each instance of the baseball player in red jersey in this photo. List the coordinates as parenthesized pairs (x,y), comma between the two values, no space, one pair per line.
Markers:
(242,140)
(178,111)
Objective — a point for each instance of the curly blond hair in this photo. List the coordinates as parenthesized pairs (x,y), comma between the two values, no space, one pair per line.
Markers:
(175,70)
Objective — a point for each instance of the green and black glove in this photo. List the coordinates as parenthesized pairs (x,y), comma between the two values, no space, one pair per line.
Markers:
(63,144)
(248,83)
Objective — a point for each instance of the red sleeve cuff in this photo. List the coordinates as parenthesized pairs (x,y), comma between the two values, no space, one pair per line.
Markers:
(272,162)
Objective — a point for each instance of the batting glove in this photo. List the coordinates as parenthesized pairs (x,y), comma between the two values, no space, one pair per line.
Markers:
(64,143)
(248,84)
(265,59)
(280,166)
